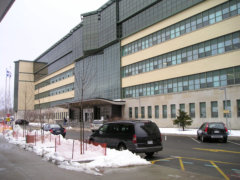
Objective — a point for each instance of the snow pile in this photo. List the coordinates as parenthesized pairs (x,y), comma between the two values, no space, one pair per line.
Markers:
(93,158)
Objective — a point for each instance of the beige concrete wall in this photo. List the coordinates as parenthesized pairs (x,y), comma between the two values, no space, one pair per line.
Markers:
(206,95)
(26,86)
(58,97)
(195,37)
(194,67)
(26,96)
(25,67)
(174,19)
(56,85)
(56,73)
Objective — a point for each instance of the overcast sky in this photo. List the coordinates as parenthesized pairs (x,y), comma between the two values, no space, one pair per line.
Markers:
(31,26)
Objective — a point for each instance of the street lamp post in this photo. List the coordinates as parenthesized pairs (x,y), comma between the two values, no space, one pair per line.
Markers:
(226,112)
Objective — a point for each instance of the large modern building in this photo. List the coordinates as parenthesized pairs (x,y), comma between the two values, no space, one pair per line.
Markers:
(141,59)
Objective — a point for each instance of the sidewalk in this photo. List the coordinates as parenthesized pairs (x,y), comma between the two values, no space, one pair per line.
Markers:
(20,164)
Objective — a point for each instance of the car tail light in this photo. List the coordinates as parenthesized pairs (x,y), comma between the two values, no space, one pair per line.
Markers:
(51,130)
(134,140)
(206,128)
(64,130)
(226,129)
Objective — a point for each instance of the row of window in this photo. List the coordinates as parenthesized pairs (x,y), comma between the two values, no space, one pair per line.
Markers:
(211,16)
(55,79)
(53,92)
(218,78)
(209,48)
(191,112)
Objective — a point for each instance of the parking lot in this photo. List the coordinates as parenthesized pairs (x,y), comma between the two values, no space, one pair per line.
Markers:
(186,153)
(216,159)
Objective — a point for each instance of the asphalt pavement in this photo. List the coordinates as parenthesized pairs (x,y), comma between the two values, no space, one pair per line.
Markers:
(16,163)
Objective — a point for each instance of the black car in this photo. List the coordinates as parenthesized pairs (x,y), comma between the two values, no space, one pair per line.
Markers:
(21,122)
(136,136)
(55,129)
(212,130)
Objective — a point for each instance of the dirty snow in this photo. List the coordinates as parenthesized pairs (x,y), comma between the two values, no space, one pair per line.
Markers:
(89,162)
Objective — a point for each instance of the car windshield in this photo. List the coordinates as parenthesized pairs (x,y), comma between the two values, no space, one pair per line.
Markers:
(216,125)
(147,129)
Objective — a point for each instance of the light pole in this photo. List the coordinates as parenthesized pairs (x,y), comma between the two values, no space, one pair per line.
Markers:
(226,112)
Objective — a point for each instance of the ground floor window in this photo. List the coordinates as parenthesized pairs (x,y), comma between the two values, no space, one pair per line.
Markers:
(143,112)
(164,111)
(202,110)
(157,112)
(149,111)
(136,112)
(192,110)
(173,110)
(227,108)
(214,109)
(238,108)
(182,107)
(130,112)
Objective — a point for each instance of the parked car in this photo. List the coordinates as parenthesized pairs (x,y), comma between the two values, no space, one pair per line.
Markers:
(137,136)
(21,122)
(96,124)
(55,129)
(212,130)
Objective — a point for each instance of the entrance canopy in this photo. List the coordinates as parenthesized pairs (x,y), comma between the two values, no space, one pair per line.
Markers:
(93,102)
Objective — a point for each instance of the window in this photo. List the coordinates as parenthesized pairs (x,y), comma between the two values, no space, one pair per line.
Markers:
(182,107)
(149,111)
(130,112)
(136,112)
(164,111)
(173,110)
(156,111)
(214,109)
(192,110)
(143,112)
(238,108)
(227,108)
(202,110)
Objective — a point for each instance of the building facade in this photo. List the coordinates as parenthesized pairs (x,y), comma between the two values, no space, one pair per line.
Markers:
(137,59)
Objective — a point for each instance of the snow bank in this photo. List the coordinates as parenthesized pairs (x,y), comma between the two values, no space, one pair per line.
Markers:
(93,157)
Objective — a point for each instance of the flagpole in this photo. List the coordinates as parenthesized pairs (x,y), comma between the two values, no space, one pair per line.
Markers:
(6,92)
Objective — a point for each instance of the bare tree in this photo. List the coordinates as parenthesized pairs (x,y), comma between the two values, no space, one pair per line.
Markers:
(83,81)
(49,114)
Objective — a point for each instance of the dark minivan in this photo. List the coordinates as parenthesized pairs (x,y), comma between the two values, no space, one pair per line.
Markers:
(137,136)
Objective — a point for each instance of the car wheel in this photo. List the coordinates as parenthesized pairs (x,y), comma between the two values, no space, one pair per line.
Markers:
(203,139)
(198,137)
(121,147)
(149,154)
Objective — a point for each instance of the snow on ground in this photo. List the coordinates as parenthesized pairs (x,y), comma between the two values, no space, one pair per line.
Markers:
(89,162)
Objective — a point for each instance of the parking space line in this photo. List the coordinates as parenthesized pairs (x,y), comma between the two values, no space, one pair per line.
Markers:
(196,140)
(181,163)
(234,143)
(217,150)
(221,162)
(220,171)
(166,159)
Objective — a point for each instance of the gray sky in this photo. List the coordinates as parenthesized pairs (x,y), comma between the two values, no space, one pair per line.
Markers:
(31,26)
